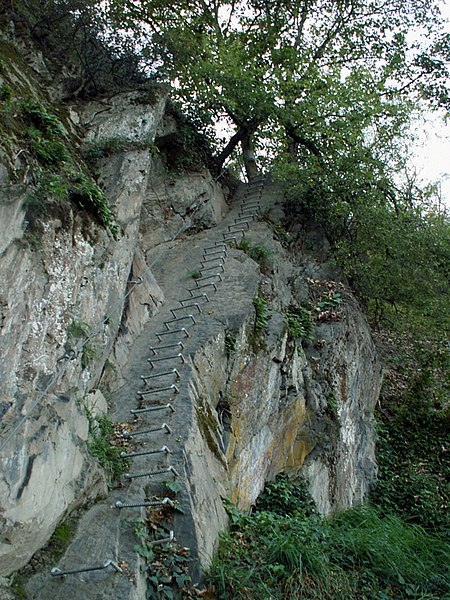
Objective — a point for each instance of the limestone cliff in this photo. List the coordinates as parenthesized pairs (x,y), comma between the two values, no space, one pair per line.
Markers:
(270,367)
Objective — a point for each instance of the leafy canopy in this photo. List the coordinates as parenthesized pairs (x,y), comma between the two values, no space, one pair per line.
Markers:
(305,68)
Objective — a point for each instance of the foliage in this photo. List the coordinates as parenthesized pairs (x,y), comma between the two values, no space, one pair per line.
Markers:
(319,73)
(101,148)
(286,497)
(392,242)
(190,149)
(332,301)
(79,331)
(75,32)
(261,314)
(167,564)
(257,252)
(58,176)
(230,343)
(288,551)
(86,193)
(98,149)
(195,274)
(412,450)
(5,92)
(300,323)
(101,434)
(40,118)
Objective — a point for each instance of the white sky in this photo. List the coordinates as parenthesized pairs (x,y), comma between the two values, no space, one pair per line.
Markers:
(431,154)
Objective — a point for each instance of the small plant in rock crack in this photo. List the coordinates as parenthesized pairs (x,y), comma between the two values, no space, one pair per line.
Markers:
(258,252)
(100,444)
(299,322)
(79,332)
(327,308)
(230,344)
(332,301)
(167,563)
(261,314)
(260,324)
(195,274)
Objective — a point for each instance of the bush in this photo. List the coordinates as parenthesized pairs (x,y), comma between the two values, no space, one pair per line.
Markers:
(289,552)
(413,440)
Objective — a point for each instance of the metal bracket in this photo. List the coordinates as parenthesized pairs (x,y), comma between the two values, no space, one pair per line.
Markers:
(57,572)
(138,411)
(163,502)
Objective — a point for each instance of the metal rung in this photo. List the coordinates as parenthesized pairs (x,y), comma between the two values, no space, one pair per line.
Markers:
(233,233)
(138,411)
(166,346)
(162,450)
(245,219)
(215,246)
(238,225)
(157,390)
(163,502)
(56,572)
(211,259)
(194,305)
(161,358)
(166,323)
(210,269)
(183,329)
(210,277)
(229,240)
(171,372)
(221,251)
(217,266)
(212,284)
(204,296)
(169,469)
(163,541)
(164,427)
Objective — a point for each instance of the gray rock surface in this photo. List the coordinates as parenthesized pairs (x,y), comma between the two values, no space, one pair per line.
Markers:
(79,312)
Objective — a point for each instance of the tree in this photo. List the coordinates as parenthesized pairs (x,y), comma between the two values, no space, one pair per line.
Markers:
(309,71)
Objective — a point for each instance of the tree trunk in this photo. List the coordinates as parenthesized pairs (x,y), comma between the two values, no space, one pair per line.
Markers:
(248,154)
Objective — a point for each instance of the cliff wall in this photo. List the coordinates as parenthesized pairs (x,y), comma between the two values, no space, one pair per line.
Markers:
(273,370)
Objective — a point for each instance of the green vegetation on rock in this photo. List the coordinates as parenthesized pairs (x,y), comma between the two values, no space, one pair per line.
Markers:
(100,445)
(49,161)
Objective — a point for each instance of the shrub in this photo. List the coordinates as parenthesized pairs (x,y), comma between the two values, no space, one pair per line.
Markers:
(288,551)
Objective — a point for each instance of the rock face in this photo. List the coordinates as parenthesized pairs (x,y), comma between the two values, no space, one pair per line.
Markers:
(254,392)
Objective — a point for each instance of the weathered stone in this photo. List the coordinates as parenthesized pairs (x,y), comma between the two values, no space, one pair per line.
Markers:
(249,402)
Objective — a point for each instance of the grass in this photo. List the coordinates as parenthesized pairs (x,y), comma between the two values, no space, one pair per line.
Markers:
(288,552)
